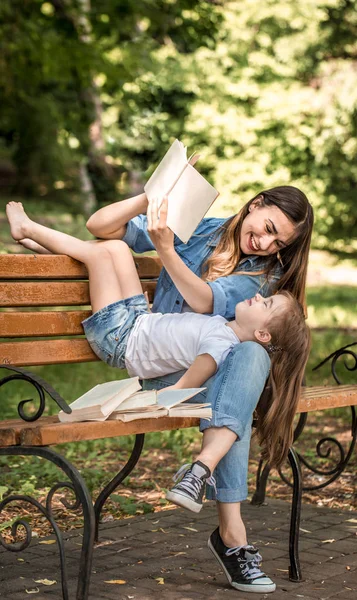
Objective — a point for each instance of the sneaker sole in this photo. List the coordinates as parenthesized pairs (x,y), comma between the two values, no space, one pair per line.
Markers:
(242,587)
(184,502)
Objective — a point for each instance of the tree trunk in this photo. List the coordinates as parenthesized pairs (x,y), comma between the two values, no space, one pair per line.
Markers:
(95,161)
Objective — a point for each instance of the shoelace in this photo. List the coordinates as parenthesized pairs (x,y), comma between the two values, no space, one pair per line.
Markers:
(196,482)
(252,565)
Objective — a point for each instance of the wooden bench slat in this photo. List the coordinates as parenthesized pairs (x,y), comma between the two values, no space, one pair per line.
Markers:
(47,323)
(46,352)
(59,433)
(322,397)
(49,430)
(52,293)
(49,293)
(31,266)
(10,430)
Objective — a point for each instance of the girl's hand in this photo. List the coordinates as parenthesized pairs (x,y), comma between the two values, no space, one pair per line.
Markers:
(161,235)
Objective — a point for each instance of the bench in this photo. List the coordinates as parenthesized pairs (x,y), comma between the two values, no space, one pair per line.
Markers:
(34,336)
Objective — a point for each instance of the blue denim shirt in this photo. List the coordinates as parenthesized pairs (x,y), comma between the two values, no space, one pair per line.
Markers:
(227,291)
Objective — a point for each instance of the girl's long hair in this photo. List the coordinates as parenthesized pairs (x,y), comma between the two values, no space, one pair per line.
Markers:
(294,258)
(290,345)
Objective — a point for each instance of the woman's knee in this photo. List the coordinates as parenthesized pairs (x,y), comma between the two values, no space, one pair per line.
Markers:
(252,357)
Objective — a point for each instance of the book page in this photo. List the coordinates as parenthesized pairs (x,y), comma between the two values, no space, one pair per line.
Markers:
(189,200)
(201,412)
(133,416)
(170,398)
(102,393)
(101,400)
(168,171)
(139,400)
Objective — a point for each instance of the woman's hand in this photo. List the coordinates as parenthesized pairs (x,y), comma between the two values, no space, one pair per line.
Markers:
(161,235)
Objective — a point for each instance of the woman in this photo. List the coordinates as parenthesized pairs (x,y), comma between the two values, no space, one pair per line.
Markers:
(264,248)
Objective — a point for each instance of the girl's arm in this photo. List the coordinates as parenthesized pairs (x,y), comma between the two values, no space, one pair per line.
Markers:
(192,288)
(202,368)
(110,221)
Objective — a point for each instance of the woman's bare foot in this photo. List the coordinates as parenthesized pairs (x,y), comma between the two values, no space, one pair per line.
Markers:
(34,246)
(19,221)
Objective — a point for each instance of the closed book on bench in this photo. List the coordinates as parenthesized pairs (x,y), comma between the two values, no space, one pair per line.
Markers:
(189,193)
(99,402)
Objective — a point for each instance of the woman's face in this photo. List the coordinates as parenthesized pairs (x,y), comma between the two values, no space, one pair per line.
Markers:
(265,230)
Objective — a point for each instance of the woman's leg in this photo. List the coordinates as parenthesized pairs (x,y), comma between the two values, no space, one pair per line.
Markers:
(233,393)
(109,280)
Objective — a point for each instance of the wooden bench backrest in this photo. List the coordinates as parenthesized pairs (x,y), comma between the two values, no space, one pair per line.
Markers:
(30,282)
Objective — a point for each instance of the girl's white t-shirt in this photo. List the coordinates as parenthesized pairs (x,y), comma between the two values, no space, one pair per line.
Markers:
(165,343)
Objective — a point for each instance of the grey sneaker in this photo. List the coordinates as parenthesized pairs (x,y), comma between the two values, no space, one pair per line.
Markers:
(241,566)
(189,491)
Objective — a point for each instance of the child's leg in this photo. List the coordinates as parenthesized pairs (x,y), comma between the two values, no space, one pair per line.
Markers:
(31,245)
(57,242)
(108,282)
(215,445)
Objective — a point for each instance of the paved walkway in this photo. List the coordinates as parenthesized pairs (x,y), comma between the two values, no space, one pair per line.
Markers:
(164,555)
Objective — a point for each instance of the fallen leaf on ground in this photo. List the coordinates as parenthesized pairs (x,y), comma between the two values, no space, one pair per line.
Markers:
(327,541)
(191,529)
(116,581)
(160,580)
(46,581)
(33,591)
(48,542)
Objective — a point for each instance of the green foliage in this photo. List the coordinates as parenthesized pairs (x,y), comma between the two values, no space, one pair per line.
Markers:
(57,57)
(267,94)
(332,306)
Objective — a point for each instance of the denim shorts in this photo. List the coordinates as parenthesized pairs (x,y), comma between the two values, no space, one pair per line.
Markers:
(108,329)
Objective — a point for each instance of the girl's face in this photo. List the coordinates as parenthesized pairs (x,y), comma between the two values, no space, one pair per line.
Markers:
(265,230)
(255,313)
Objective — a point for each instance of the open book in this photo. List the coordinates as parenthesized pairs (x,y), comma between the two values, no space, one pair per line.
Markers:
(123,400)
(189,194)
(170,403)
(99,402)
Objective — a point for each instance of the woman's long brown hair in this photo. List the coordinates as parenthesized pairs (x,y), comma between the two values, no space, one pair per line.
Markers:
(290,338)
(225,258)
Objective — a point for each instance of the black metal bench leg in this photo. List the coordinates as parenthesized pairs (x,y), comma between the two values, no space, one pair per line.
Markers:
(82,497)
(261,484)
(294,568)
(116,481)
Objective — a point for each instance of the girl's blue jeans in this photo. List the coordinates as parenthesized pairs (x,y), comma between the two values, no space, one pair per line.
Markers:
(233,392)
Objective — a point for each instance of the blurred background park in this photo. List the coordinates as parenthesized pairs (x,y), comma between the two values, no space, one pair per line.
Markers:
(93,93)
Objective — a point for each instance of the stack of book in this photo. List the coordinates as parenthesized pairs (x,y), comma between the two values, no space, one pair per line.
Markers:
(122,400)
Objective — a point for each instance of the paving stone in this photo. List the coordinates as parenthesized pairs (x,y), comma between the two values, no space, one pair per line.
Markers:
(166,545)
